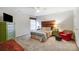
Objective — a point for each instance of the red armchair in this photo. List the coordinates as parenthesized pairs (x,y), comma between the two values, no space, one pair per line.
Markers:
(66,35)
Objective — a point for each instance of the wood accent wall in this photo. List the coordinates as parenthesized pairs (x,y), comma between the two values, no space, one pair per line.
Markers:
(48,23)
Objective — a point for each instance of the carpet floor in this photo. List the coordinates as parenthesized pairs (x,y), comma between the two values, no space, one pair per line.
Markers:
(50,45)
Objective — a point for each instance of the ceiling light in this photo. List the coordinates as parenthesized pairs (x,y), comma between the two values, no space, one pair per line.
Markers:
(37,11)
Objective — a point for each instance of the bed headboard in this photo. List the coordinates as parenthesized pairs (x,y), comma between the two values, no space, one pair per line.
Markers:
(50,23)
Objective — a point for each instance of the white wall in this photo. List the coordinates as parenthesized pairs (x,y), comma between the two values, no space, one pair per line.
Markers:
(76,25)
(64,19)
(22,24)
(20,18)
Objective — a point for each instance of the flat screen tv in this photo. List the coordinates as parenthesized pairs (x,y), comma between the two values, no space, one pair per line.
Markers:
(7,17)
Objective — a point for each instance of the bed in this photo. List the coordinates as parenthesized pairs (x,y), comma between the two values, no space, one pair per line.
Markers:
(41,35)
(45,32)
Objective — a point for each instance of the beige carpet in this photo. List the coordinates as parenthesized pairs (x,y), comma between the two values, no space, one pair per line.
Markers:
(50,45)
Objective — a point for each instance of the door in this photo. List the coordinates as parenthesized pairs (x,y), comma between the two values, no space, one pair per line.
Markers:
(11,30)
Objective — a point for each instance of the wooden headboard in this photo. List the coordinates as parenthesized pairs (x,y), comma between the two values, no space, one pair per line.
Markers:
(48,23)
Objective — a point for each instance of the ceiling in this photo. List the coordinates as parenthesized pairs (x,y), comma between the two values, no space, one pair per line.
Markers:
(33,10)
(52,10)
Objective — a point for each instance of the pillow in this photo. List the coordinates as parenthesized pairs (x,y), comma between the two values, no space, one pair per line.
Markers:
(46,28)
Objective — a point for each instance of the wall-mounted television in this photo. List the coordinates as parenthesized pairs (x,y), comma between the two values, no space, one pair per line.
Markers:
(7,17)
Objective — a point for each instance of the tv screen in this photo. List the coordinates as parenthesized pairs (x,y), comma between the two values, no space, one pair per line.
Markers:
(7,17)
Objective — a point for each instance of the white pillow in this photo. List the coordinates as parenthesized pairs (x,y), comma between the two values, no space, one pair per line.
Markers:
(46,28)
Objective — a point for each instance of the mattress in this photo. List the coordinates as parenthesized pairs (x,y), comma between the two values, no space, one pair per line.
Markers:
(41,35)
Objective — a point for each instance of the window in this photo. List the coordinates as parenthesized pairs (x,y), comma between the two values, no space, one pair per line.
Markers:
(33,24)
(37,25)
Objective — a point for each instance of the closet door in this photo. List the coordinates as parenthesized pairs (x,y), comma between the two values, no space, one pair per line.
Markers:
(11,30)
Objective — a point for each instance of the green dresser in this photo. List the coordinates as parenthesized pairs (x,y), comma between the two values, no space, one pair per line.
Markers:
(7,31)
